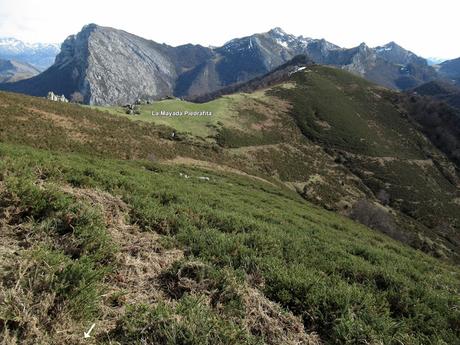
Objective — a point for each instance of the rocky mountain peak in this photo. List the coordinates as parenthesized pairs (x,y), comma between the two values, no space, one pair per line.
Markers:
(392,44)
(90,27)
(396,54)
(277,32)
(363,47)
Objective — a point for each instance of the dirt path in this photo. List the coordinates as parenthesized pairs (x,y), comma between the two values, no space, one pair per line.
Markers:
(212,166)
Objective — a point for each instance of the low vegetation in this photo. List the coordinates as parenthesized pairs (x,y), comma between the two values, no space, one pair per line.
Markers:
(250,272)
(217,233)
(379,141)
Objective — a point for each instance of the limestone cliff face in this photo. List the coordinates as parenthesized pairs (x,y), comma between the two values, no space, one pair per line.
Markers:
(122,67)
(111,66)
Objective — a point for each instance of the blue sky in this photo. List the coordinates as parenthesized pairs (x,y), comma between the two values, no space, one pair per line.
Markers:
(429,28)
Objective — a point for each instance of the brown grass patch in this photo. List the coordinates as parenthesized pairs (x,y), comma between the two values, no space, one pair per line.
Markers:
(72,126)
(278,326)
(140,259)
(261,317)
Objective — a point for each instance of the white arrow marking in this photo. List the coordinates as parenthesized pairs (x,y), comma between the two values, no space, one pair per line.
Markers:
(86,334)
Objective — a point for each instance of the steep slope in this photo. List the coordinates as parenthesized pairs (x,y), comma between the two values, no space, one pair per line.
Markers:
(240,60)
(151,253)
(106,66)
(11,71)
(390,65)
(394,53)
(245,58)
(451,70)
(442,91)
(39,55)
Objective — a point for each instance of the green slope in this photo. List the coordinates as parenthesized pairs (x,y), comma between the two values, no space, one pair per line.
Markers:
(355,122)
(364,128)
(333,137)
(229,264)
(205,237)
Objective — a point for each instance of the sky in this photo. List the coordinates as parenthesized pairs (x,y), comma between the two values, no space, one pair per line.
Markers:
(428,28)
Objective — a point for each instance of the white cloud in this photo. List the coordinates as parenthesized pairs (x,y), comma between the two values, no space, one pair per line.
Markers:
(426,27)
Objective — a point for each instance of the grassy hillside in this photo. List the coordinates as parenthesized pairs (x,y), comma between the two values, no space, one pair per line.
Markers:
(226,113)
(376,140)
(370,146)
(337,140)
(154,253)
(219,234)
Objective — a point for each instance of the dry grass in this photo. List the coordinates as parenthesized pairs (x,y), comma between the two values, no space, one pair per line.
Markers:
(140,259)
(278,327)
(260,316)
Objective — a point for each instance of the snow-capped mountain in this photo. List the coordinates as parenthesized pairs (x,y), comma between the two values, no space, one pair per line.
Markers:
(389,65)
(39,55)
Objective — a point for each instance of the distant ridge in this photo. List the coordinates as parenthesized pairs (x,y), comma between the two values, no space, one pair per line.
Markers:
(450,69)
(277,76)
(12,70)
(39,55)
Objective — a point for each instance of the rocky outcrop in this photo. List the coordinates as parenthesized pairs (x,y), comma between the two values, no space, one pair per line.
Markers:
(56,98)
(106,66)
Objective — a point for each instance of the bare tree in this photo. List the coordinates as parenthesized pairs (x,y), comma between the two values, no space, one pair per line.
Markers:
(76,97)
(375,217)
(383,196)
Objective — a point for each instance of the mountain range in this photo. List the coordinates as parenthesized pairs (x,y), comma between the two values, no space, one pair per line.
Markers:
(110,66)
(39,55)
